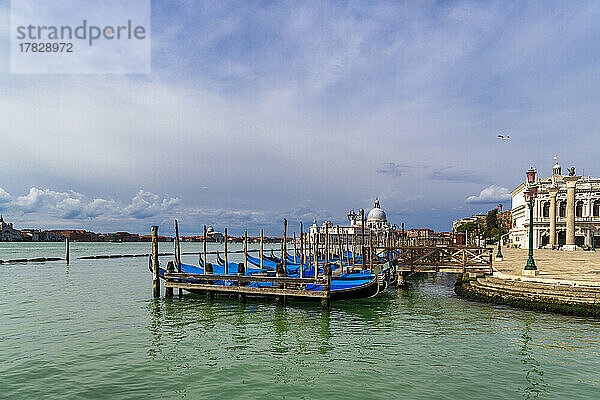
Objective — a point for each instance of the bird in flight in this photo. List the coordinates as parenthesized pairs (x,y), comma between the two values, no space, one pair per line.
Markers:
(502,137)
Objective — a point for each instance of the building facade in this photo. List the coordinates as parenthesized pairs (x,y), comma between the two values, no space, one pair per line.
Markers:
(566,212)
(8,233)
(374,222)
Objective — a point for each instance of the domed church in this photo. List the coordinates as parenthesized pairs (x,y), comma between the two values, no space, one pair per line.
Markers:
(376,219)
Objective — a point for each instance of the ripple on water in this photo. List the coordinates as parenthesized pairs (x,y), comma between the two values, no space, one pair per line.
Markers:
(68,332)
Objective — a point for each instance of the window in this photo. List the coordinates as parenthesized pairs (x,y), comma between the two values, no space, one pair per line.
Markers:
(579,209)
(546,210)
(562,210)
(597,208)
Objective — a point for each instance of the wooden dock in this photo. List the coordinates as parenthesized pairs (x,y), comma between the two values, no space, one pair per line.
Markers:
(372,253)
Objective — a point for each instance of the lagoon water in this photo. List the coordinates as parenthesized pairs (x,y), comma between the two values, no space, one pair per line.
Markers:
(93,330)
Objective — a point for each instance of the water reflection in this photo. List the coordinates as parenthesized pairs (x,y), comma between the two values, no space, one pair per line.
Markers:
(325,345)
(533,371)
(281,326)
(155,327)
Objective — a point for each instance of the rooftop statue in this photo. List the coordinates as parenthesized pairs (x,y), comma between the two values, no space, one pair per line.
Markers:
(572,171)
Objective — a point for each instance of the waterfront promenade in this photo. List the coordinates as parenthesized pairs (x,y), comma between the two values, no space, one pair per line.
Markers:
(552,264)
(568,282)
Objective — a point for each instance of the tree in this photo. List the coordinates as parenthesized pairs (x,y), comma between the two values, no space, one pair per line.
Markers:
(491,222)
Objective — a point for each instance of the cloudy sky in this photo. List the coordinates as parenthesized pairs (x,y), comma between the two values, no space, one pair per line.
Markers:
(255,111)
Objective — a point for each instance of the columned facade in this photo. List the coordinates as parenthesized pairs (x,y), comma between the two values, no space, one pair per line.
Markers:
(552,215)
(571,181)
(566,213)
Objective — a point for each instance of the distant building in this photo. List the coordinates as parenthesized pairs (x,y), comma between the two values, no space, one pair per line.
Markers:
(421,233)
(477,218)
(375,221)
(31,235)
(75,235)
(120,237)
(51,236)
(8,233)
(214,236)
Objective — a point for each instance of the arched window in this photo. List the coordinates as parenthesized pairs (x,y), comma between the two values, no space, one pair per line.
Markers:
(579,209)
(546,210)
(597,208)
(562,210)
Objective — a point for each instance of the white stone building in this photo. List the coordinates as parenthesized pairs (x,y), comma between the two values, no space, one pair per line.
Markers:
(375,221)
(552,212)
(8,233)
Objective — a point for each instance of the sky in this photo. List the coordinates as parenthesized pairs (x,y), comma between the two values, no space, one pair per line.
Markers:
(256,110)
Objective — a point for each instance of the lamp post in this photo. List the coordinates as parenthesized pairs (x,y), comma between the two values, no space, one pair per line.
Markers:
(594,230)
(499,256)
(530,195)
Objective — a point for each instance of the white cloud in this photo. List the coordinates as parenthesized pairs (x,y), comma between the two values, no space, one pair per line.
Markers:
(491,194)
(73,205)
(4,197)
(146,204)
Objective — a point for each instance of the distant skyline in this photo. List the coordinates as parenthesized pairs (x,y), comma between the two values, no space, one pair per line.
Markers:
(256,111)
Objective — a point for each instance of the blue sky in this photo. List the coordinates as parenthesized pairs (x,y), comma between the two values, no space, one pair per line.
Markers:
(255,111)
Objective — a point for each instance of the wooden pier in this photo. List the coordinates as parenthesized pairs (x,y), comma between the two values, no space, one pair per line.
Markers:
(389,257)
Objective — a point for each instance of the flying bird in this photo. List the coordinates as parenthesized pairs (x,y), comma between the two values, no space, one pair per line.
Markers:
(502,137)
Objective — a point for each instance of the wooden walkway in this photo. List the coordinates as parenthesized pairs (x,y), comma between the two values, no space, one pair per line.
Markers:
(456,259)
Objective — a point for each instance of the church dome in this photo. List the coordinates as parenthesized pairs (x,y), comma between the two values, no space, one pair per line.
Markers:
(377,214)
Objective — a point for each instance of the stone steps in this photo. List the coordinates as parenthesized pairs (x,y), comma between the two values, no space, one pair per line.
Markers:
(569,294)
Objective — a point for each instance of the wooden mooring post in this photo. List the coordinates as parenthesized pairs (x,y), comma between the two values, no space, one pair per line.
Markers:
(67,251)
(261,248)
(204,246)
(178,253)
(326,301)
(226,263)
(301,250)
(155,272)
(284,248)
(169,290)
(362,237)
(295,249)
(371,250)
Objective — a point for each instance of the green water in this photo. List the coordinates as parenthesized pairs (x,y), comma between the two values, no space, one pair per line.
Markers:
(92,330)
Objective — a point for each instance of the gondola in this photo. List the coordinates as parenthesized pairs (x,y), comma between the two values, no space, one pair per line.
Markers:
(342,287)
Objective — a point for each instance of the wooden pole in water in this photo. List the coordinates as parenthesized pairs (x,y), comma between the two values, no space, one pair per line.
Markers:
(169,290)
(326,243)
(316,256)
(67,251)
(371,250)
(178,253)
(283,255)
(339,238)
(246,248)
(326,302)
(261,248)
(309,247)
(362,237)
(354,249)
(348,248)
(301,250)
(204,247)
(226,263)
(178,246)
(295,249)
(155,275)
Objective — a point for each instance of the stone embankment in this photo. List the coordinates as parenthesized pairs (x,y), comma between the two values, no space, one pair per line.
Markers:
(568,282)
(579,299)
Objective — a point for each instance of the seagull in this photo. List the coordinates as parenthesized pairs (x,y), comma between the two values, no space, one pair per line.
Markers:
(502,137)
